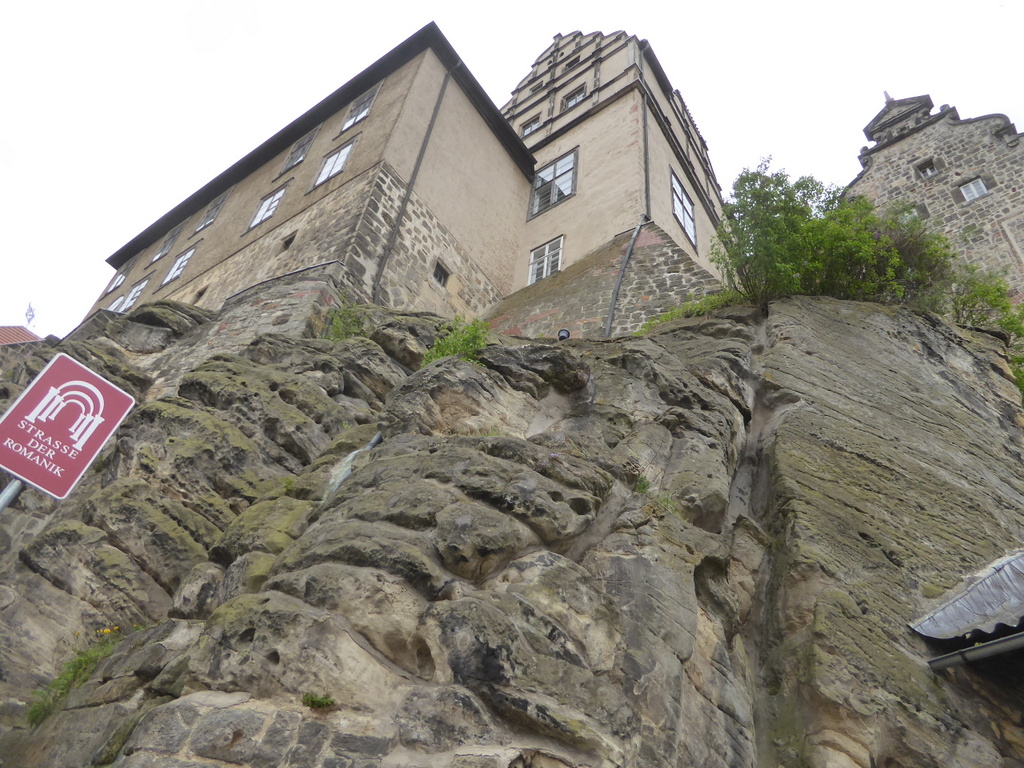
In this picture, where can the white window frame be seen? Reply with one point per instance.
(974, 189)
(212, 211)
(360, 108)
(299, 150)
(168, 243)
(574, 97)
(179, 266)
(133, 294)
(531, 126)
(554, 183)
(115, 305)
(683, 209)
(117, 280)
(268, 206)
(546, 259)
(334, 164)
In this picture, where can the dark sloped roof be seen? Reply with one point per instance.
(15, 334)
(428, 37)
(993, 595)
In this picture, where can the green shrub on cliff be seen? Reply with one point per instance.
(783, 238)
(983, 299)
(459, 338)
(345, 322)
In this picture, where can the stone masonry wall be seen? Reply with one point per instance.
(659, 276)
(353, 227)
(987, 231)
(332, 230)
(408, 283)
(296, 305)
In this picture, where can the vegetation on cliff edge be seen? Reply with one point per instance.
(781, 237)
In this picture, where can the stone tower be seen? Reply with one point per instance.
(965, 176)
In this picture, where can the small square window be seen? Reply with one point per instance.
(360, 108)
(553, 183)
(972, 190)
(298, 153)
(574, 61)
(927, 168)
(536, 88)
(168, 243)
(682, 207)
(440, 275)
(531, 125)
(546, 260)
(133, 295)
(334, 164)
(267, 207)
(179, 266)
(574, 97)
(211, 212)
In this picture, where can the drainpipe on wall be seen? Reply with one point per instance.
(393, 237)
(647, 149)
(622, 271)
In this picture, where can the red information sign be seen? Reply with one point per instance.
(55, 428)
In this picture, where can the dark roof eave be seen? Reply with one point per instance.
(429, 36)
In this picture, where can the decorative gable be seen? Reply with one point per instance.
(899, 116)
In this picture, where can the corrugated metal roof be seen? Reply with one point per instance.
(994, 595)
(15, 334)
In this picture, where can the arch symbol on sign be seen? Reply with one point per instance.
(81, 394)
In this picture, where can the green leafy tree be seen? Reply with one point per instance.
(782, 238)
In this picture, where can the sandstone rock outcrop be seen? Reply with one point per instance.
(698, 548)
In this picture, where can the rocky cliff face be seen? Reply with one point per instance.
(700, 548)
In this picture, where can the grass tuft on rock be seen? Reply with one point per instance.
(75, 672)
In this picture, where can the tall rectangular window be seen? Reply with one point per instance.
(211, 212)
(682, 207)
(334, 164)
(299, 150)
(179, 266)
(553, 183)
(545, 260)
(267, 207)
(972, 190)
(360, 108)
(168, 243)
(133, 295)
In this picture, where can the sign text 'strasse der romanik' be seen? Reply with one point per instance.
(57, 426)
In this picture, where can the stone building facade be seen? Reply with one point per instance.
(377, 176)
(434, 200)
(965, 176)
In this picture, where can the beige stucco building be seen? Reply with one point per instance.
(966, 177)
(613, 142)
(427, 197)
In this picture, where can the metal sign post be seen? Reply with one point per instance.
(10, 493)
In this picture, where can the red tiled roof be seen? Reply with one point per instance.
(15, 334)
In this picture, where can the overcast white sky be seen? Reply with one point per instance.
(117, 110)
